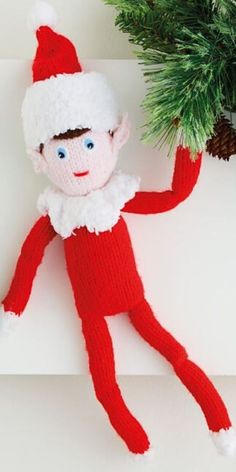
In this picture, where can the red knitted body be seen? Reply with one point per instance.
(110, 293)
(103, 272)
(105, 282)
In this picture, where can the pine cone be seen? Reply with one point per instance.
(223, 142)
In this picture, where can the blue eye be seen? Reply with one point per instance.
(62, 153)
(88, 144)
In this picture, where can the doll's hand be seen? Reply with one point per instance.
(8, 321)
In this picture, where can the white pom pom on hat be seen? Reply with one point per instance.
(42, 14)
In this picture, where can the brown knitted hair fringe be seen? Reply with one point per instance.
(69, 134)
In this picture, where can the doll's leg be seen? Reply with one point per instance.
(190, 374)
(102, 368)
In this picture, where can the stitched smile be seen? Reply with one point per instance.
(81, 174)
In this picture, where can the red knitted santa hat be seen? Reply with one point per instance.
(62, 95)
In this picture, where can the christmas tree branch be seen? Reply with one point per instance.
(189, 58)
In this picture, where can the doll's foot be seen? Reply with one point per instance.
(147, 457)
(8, 321)
(225, 442)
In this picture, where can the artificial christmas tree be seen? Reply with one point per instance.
(189, 52)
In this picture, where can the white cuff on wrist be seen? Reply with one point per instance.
(8, 321)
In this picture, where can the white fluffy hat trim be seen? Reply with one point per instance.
(68, 101)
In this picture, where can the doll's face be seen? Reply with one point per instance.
(84, 163)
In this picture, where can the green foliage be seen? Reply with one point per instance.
(188, 49)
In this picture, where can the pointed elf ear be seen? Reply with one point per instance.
(121, 134)
(39, 162)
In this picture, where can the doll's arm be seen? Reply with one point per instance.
(185, 176)
(30, 258)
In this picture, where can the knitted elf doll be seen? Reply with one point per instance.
(74, 131)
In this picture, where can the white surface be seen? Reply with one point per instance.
(90, 24)
(56, 424)
(187, 257)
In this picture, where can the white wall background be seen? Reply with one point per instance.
(51, 422)
(54, 424)
(89, 23)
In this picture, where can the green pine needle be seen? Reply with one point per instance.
(188, 49)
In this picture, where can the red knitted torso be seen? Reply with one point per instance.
(102, 271)
(105, 281)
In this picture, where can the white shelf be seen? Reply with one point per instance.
(187, 257)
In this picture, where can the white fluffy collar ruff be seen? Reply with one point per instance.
(98, 211)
